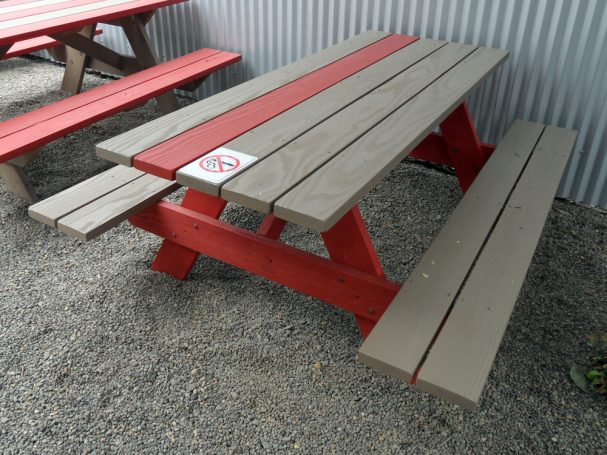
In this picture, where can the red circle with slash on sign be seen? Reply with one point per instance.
(220, 163)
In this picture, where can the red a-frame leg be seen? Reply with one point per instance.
(177, 260)
(352, 279)
(458, 146)
(463, 145)
(348, 243)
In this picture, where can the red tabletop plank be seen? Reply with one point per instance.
(73, 21)
(167, 157)
(40, 9)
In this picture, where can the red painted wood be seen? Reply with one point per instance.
(347, 287)
(434, 149)
(175, 259)
(348, 242)
(164, 159)
(463, 145)
(271, 226)
(45, 113)
(84, 109)
(41, 9)
(71, 22)
(33, 45)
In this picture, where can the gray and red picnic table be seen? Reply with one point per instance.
(39, 23)
(304, 144)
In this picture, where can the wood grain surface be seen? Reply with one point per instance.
(121, 149)
(324, 197)
(95, 218)
(166, 158)
(55, 207)
(460, 360)
(401, 338)
(260, 186)
(265, 139)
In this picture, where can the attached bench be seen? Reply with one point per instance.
(94, 206)
(443, 329)
(22, 136)
(35, 44)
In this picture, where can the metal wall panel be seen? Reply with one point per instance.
(556, 73)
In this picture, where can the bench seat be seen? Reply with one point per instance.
(26, 133)
(94, 206)
(34, 44)
(443, 329)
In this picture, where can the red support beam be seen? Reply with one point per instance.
(175, 259)
(434, 149)
(463, 145)
(271, 227)
(348, 242)
(354, 290)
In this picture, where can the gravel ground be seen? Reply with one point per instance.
(99, 354)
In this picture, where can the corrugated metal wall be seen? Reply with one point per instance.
(556, 72)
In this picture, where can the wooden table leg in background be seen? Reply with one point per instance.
(14, 177)
(75, 63)
(134, 28)
(4, 50)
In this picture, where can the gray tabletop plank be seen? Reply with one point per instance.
(320, 200)
(401, 337)
(262, 184)
(106, 212)
(121, 149)
(281, 130)
(459, 362)
(55, 207)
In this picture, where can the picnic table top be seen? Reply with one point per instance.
(308, 140)
(23, 19)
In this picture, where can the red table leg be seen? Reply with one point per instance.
(352, 279)
(271, 227)
(177, 260)
(463, 145)
(348, 242)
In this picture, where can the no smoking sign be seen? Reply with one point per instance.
(218, 165)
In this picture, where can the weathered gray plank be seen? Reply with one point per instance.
(459, 362)
(401, 337)
(265, 182)
(121, 149)
(279, 131)
(320, 200)
(106, 212)
(55, 207)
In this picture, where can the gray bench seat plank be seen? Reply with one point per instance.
(274, 134)
(324, 197)
(459, 362)
(259, 186)
(400, 339)
(55, 207)
(122, 148)
(106, 212)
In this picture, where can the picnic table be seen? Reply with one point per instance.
(44, 23)
(28, 25)
(304, 144)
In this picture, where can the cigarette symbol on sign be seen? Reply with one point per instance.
(220, 163)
